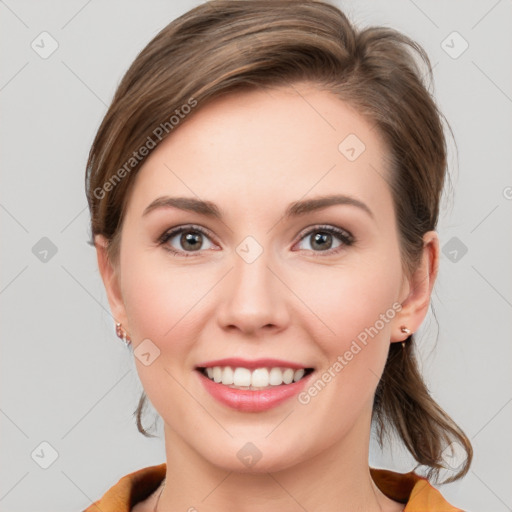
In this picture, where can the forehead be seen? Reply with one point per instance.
(249, 146)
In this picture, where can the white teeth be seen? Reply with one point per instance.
(275, 377)
(227, 375)
(298, 375)
(217, 373)
(241, 377)
(257, 378)
(288, 376)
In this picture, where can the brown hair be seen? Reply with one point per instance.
(223, 45)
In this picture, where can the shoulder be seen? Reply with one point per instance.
(130, 490)
(411, 489)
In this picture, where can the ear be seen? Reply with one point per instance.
(110, 276)
(418, 290)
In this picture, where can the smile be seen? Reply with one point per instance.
(257, 379)
(253, 386)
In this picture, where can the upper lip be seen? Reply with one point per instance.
(237, 362)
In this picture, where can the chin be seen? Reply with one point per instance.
(255, 457)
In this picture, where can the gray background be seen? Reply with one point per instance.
(68, 381)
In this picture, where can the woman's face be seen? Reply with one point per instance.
(265, 279)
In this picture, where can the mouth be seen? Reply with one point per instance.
(253, 386)
(257, 379)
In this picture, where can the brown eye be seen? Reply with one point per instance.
(326, 238)
(185, 240)
(321, 240)
(191, 240)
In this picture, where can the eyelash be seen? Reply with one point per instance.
(346, 238)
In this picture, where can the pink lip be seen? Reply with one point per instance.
(252, 401)
(236, 362)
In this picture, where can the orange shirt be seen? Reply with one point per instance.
(408, 488)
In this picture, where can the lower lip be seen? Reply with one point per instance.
(252, 401)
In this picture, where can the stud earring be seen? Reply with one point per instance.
(121, 333)
(407, 331)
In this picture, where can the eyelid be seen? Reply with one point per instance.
(326, 227)
(169, 233)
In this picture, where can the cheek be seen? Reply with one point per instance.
(164, 306)
(351, 299)
(160, 304)
(354, 307)
(357, 305)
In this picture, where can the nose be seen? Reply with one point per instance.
(254, 298)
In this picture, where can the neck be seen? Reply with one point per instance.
(336, 479)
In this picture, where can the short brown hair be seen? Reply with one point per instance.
(221, 46)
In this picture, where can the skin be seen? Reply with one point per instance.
(252, 153)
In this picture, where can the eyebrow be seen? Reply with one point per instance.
(295, 209)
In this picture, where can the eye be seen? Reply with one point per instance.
(323, 238)
(188, 238)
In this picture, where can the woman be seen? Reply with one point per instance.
(264, 192)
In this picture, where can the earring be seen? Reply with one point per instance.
(121, 333)
(405, 330)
